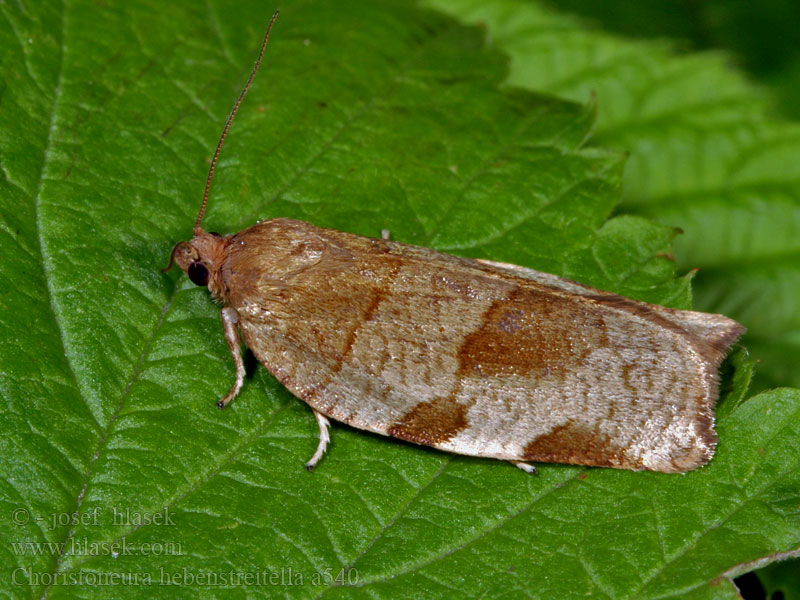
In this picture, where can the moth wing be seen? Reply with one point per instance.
(483, 358)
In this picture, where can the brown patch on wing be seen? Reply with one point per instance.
(431, 423)
(380, 292)
(531, 332)
(567, 443)
(378, 296)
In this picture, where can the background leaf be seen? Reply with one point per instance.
(119, 474)
(781, 577)
(761, 37)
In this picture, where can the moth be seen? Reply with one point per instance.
(473, 357)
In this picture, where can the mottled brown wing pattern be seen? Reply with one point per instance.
(475, 357)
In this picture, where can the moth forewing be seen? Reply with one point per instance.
(475, 358)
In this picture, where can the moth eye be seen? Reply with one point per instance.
(198, 273)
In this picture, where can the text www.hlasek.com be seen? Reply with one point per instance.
(85, 547)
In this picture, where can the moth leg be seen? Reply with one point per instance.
(229, 321)
(324, 438)
(524, 466)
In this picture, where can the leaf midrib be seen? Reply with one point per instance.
(46, 264)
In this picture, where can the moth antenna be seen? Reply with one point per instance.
(197, 228)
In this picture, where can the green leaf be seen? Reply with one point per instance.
(119, 477)
(781, 577)
(761, 37)
(703, 157)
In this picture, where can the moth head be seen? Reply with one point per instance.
(201, 259)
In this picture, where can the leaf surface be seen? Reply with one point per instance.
(119, 477)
